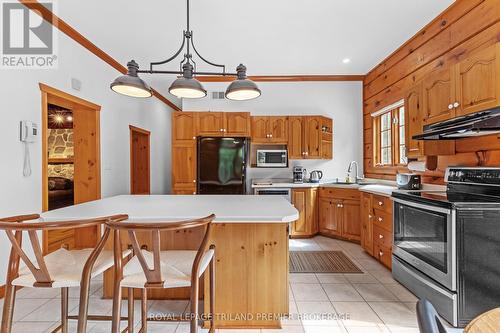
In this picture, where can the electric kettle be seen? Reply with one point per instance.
(315, 176)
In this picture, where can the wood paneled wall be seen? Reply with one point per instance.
(464, 26)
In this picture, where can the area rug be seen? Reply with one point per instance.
(321, 262)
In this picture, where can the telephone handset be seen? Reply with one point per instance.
(28, 131)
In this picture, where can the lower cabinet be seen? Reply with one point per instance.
(376, 230)
(184, 168)
(339, 213)
(305, 201)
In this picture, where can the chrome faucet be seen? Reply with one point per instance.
(349, 169)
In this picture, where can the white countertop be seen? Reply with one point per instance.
(284, 182)
(378, 189)
(165, 208)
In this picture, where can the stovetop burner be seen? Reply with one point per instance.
(450, 196)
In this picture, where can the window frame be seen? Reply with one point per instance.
(395, 110)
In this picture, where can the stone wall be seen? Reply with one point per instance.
(60, 170)
(60, 143)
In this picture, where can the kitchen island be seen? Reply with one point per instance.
(251, 238)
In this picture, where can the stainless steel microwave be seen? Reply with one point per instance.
(277, 158)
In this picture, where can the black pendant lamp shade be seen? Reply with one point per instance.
(242, 88)
(186, 86)
(131, 84)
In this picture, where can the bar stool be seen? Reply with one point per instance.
(161, 269)
(60, 269)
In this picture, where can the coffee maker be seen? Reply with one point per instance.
(299, 173)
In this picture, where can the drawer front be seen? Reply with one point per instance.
(339, 193)
(382, 203)
(383, 220)
(382, 237)
(383, 254)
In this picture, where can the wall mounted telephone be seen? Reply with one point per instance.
(28, 131)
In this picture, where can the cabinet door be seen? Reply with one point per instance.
(260, 131)
(278, 129)
(299, 202)
(312, 137)
(295, 137)
(413, 105)
(478, 81)
(325, 214)
(183, 126)
(184, 165)
(366, 223)
(211, 123)
(184, 190)
(312, 211)
(237, 124)
(326, 138)
(439, 95)
(351, 224)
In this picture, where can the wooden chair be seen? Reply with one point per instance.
(60, 269)
(161, 269)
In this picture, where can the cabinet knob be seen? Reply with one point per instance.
(225, 129)
(380, 253)
(450, 106)
(194, 180)
(380, 236)
(370, 216)
(267, 135)
(194, 138)
(456, 105)
(270, 135)
(380, 203)
(306, 153)
(380, 219)
(194, 192)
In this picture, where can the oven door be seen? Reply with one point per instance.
(424, 237)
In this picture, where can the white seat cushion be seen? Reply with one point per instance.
(66, 267)
(175, 266)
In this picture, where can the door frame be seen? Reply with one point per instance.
(132, 130)
(55, 96)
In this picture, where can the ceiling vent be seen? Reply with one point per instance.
(218, 95)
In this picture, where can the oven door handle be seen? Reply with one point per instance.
(421, 206)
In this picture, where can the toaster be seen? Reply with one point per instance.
(408, 181)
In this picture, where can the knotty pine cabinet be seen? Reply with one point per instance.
(184, 167)
(269, 129)
(305, 201)
(376, 231)
(310, 137)
(339, 213)
(223, 124)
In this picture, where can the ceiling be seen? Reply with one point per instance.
(278, 37)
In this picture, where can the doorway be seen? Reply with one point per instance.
(71, 167)
(139, 160)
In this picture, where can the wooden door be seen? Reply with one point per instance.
(413, 110)
(139, 161)
(438, 95)
(337, 216)
(366, 223)
(183, 126)
(278, 129)
(295, 138)
(351, 224)
(87, 167)
(299, 202)
(210, 123)
(260, 132)
(237, 124)
(478, 81)
(312, 137)
(312, 211)
(184, 166)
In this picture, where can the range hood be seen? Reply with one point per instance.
(475, 124)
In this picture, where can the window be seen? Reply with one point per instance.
(389, 136)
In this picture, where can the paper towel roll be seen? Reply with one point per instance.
(416, 166)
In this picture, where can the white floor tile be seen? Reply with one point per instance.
(374, 292)
(342, 293)
(303, 245)
(361, 278)
(394, 313)
(374, 329)
(50, 311)
(383, 276)
(32, 327)
(303, 278)
(331, 278)
(356, 314)
(323, 329)
(308, 292)
(317, 313)
(23, 307)
(401, 292)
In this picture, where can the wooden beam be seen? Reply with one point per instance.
(68, 30)
(284, 78)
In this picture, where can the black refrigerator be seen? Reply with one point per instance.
(222, 165)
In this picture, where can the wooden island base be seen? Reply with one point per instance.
(251, 272)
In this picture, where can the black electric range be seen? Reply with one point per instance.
(446, 244)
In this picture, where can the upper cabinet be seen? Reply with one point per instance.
(270, 129)
(438, 95)
(183, 126)
(310, 137)
(223, 124)
(478, 81)
(413, 110)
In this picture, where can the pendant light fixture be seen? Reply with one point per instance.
(185, 86)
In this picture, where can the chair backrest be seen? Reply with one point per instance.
(153, 274)
(15, 226)
(428, 318)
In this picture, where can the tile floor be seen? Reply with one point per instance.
(333, 303)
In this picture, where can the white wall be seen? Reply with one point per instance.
(341, 101)
(20, 100)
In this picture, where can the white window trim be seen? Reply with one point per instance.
(388, 108)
